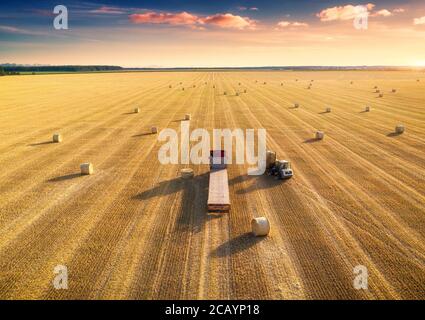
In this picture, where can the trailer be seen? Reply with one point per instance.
(218, 191)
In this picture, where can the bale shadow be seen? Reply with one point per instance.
(323, 112)
(143, 134)
(311, 140)
(40, 143)
(393, 134)
(236, 245)
(66, 177)
(126, 113)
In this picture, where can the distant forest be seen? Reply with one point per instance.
(11, 69)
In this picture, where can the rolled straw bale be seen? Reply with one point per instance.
(136, 110)
(186, 173)
(320, 135)
(187, 116)
(367, 109)
(86, 168)
(270, 158)
(57, 138)
(260, 226)
(154, 129)
(399, 129)
(328, 110)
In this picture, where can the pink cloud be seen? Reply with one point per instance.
(228, 20)
(399, 10)
(225, 20)
(254, 9)
(182, 18)
(108, 10)
(343, 13)
(382, 13)
(419, 21)
(286, 24)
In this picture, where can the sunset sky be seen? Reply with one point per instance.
(172, 33)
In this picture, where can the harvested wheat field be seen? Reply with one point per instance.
(134, 229)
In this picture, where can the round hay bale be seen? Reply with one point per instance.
(213, 87)
(320, 135)
(136, 110)
(237, 94)
(194, 86)
(225, 93)
(328, 110)
(245, 91)
(154, 129)
(381, 95)
(377, 91)
(260, 226)
(270, 158)
(265, 82)
(170, 86)
(182, 89)
(239, 83)
(187, 116)
(393, 90)
(399, 129)
(86, 168)
(281, 84)
(375, 87)
(367, 109)
(296, 105)
(186, 173)
(57, 138)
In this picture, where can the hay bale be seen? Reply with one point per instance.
(154, 130)
(245, 91)
(296, 105)
(260, 226)
(265, 82)
(320, 135)
(239, 83)
(281, 84)
(187, 116)
(381, 95)
(328, 110)
(225, 93)
(367, 109)
(57, 138)
(136, 110)
(86, 168)
(399, 129)
(270, 158)
(393, 90)
(375, 87)
(213, 87)
(182, 89)
(186, 173)
(170, 86)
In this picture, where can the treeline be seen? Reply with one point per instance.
(18, 69)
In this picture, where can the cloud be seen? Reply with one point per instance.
(343, 13)
(399, 10)
(254, 9)
(225, 20)
(9, 29)
(108, 10)
(182, 18)
(286, 24)
(382, 13)
(419, 21)
(228, 20)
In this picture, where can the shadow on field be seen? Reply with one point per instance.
(40, 143)
(66, 177)
(192, 214)
(236, 245)
(126, 113)
(256, 183)
(311, 140)
(143, 134)
(393, 134)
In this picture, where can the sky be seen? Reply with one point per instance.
(203, 33)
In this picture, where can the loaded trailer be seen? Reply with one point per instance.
(218, 191)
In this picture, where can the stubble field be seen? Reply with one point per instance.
(136, 230)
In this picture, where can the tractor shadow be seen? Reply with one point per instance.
(236, 245)
(65, 178)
